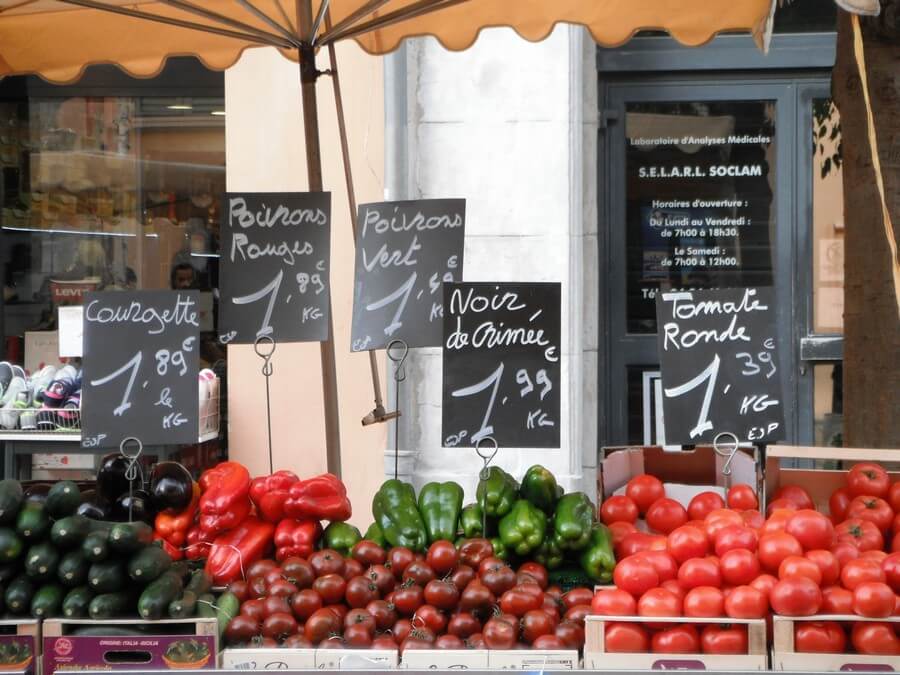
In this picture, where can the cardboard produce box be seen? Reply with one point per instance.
(785, 658)
(268, 659)
(356, 659)
(444, 659)
(533, 659)
(20, 640)
(596, 657)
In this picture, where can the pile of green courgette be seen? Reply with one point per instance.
(57, 563)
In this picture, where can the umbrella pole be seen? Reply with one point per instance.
(308, 75)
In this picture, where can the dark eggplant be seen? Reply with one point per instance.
(111, 481)
(142, 507)
(171, 486)
(37, 492)
(96, 508)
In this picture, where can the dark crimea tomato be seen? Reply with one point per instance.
(704, 503)
(476, 596)
(836, 600)
(449, 642)
(875, 637)
(704, 601)
(828, 565)
(382, 577)
(735, 536)
(676, 640)
(699, 572)
(873, 599)
(282, 587)
(861, 571)
(463, 625)
(796, 596)
(536, 623)
(496, 575)
(441, 594)
(665, 514)
(298, 571)
(368, 553)
(739, 566)
(279, 625)
(401, 630)
(613, 602)
(360, 591)
(305, 603)
(536, 571)
(275, 604)
(358, 637)
(473, 552)
(321, 625)
(241, 628)
(746, 602)
(659, 602)
(796, 566)
(419, 572)
(408, 598)
(687, 542)
(636, 576)
(461, 576)
(838, 503)
(299, 641)
(430, 616)
(327, 561)
(627, 638)
(618, 508)
(571, 634)
(795, 494)
(819, 637)
(577, 596)
(863, 534)
(499, 634)
(644, 490)
(724, 639)
(517, 601)
(331, 587)
(399, 558)
(383, 613)
(442, 557)
(773, 548)
(812, 529)
(868, 478)
(742, 497)
(872, 509)
(549, 642)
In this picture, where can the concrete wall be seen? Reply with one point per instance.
(512, 127)
(266, 152)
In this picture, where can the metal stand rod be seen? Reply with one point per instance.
(399, 376)
(267, 371)
(484, 474)
(132, 470)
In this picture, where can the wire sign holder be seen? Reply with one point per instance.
(725, 444)
(397, 351)
(265, 353)
(484, 474)
(132, 470)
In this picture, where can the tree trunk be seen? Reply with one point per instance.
(871, 394)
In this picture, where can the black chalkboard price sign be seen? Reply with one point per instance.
(140, 367)
(405, 251)
(274, 262)
(501, 364)
(719, 365)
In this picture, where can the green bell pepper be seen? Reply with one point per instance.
(548, 554)
(497, 493)
(522, 530)
(540, 488)
(500, 550)
(471, 520)
(439, 506)
(572, 521)
(598, 560)
(375, 534)
(340, 537)
(395, 510)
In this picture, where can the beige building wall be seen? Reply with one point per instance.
(265, 152)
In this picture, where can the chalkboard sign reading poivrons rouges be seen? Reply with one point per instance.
(140, 367)
(274, 263)
(501, 364)
(405, 251)
(719, 365)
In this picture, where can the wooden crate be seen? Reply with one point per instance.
(24, 632)
(597, 658)
(785, 658)
(820, 483)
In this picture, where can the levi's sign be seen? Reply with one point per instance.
(274, 267)
(719, 365)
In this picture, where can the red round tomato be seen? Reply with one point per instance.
(442, 557)
(780, 505)
(895, 543)
(746, 602)
(828, 565)
(796, 494)
(796, 566)
(868, 478)
(735, 536)
(891, 567)
(659, 602)
(636, 542)
(618, 508)
(663, 562)
(704, 601)
(719, 519)
(863, 534)
(875, 637)
(836, 600)
(619, 529)
(739, 566)
(665, 514)
(773, 548)
(724, 639)
(644, 490)
(877, 556)
(811, 529)
(844, 551)
(676, 640)
(636, 576)
(742, 497)
(699, 572)
(873, 599)
(838, 503)
(613, 602)
(687, 542)
(627, 638)
(776, 521)
(893, 497)
(873, 509)
(861, 571)
(796, 596)
(673, 586)
(753, 518)
(819, 637)
(705, 502)
(764, 583)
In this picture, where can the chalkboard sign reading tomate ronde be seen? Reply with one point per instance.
(274, 263)
(719, 364)
(405, 251)
(140, 367)
(501, 364)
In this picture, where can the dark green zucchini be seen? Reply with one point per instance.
(107, 576)
(154, 601)
(11, 497)
(10, 545)
(95, 546)
(129, 537)
(75, 604)
(70, 532)
(73, 569)
(41, 561)
(111, 605)
(33, 522)
(47, 602)
(63, 499)
(18, 595)
(147, 564)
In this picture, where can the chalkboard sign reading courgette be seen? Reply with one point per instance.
(719, 363)
(140, 367)
(501, 364)
(405, 251)
(274, 267)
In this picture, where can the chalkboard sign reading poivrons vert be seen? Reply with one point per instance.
(405, 251)
(719, 365)
(140, 367)
(501, 364)
(274, 263)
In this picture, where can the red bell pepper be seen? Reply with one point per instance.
(321, 498)
(269, 493)
(233, 552)
(174, 552)
(296, 538)
(224, 485)
(174, 527)
(197, 546)
(214, 524)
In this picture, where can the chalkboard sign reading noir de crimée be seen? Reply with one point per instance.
(274, 263)
(405, 251)
(719, 364)
(140, 365)
(501, 364)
